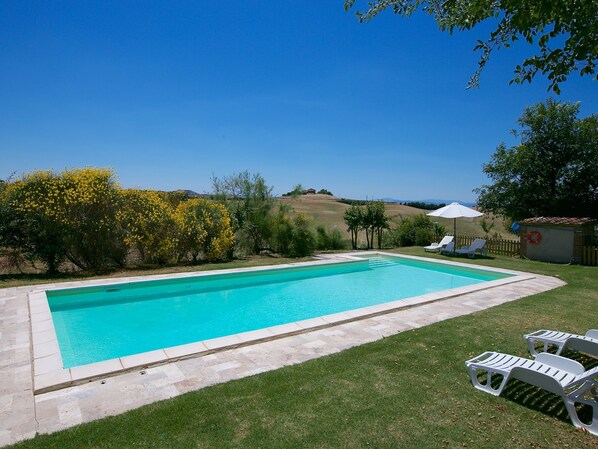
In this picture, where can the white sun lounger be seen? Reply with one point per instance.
(438, 246)
(477, 246)
(448, 249)
(587, 343)
(559, 375)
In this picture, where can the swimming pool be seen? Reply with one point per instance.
(93, 324)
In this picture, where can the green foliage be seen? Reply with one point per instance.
(352, 202)
(303, 243)
(354, 219)
(372, 219)
(249, 202)
(564, 32)
(417, 230)
(422, 205)
(282, 235)
(325, 192)
(326, 240)
(487, 226)
(552, 172)
(298, 190)
(375, 221)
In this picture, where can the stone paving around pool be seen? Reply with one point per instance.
(23, 414)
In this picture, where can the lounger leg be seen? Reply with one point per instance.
(531, 343)
(589, 388)
(473, 374)
(593, 426)
(560, 348)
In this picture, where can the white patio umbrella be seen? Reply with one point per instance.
(454, 211)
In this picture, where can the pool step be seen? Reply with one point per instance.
(379, 262)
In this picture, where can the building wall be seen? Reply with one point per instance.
(557, 245)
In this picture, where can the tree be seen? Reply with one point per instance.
(374, 222)
(379, 220)
(282, 236)
(249, 201)
(487, 226)
(415, 230)
(303, 243)
(563, 30)
(354, 219)
(325, 192)
(552, 172)
(297, 191)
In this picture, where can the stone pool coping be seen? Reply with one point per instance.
(49, 375)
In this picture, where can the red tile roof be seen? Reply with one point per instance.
(567, 221)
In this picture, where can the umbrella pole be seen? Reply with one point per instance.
(455, 233)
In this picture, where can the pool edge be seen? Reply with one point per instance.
(48, 374)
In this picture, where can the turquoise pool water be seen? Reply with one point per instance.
(99, 323)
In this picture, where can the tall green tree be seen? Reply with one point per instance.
(552, 172)
(563, 32)
(379, 221)
(249, 201)
(354, 219)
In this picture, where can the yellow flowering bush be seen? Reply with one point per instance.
(148, 224)
(203, 228)
(83, 216)
(70, 215)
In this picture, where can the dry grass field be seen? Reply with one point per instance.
(326, 210)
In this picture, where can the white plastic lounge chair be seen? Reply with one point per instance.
(559, 375)
(438, 246)
(476, 247)
(448, 249)
(587, 343)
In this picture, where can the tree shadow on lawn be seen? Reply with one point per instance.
(543, 401)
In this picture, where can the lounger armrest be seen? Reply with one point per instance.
(480, 358)
(562, 363)
(535, 334)
(592, 333)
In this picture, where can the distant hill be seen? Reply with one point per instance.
(432, 201)
(189, 193)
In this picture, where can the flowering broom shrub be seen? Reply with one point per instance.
(203, 228)
(69, 215)
(148, 225)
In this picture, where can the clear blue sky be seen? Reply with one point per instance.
(169, 93)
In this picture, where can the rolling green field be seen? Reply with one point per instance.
(404, 391)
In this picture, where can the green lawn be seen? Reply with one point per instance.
(408, 390)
